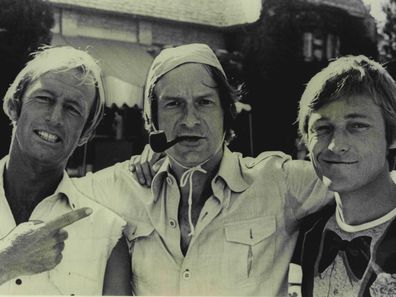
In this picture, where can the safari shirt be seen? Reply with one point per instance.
(245, 235)
(87, 248)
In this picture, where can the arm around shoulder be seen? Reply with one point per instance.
(306, 192)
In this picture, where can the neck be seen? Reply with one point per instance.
(370, 202)
(202, 181)
(210, 165)
(27, 182)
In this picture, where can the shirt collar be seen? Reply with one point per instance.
(229, 171)
(3, 164)
(159, 178)
(65, 186)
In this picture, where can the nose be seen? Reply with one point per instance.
(55, 114)
(191, 117)
(339, 142)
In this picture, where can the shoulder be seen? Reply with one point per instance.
(112, 182)
(77, 199)
(100, 213)
(265, 159)
(114, 172)
(116, 189)
(264, 170)
(102, 219)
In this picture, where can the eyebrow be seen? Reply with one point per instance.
(79, 103)
(41, 90)
(348, 116)
(357, 115)
(178, 96)
(67, 100)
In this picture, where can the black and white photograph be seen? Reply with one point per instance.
(198, 148)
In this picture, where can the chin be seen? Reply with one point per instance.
(48, 159)
(334, 185)
(344, 187)
(191, 163)
(191, 158)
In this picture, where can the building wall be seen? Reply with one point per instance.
(89, 24)
(72, 22)
(184, 33)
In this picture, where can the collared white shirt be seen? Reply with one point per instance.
(87, 249)
(244, 238)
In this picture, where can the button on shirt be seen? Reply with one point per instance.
(245, 234)
(89, 244)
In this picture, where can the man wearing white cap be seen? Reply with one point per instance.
(213, 222)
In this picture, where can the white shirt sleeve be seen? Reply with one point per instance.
(305, 192)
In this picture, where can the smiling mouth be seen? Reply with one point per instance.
(48, 137)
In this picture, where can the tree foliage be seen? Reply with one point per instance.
(388, 47)
(24, 26)
(387, 44)
(275, 67)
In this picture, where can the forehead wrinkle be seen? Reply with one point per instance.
(45, 87)
(177, 93)
(355, 115)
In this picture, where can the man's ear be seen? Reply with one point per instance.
(83, 140)
(392, 145)
(85, 137)
(14, 110)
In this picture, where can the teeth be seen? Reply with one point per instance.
(47, 136)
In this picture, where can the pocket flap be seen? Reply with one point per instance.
(137, 229)
(250, 231)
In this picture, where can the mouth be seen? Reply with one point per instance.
(192, 139)
(46, 136)
(340, 162)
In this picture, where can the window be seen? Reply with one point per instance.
(317, 47)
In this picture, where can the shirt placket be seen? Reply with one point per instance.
(189, 274)
(172, 231)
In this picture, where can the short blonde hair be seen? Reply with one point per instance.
(349, 76)
(59, 59)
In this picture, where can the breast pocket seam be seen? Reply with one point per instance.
(245, 236)
(250, 232)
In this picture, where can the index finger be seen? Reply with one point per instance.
(68, 218)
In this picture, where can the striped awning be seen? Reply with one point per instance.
(125, 66)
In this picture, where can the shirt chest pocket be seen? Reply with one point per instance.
(249, 250)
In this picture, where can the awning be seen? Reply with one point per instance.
(125, 66)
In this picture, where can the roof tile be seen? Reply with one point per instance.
(221, 13)
(353, 7)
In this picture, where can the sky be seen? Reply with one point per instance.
(376, 10)
(252, 9)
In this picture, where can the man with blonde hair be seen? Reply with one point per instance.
(55, 103)
(347, 118)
